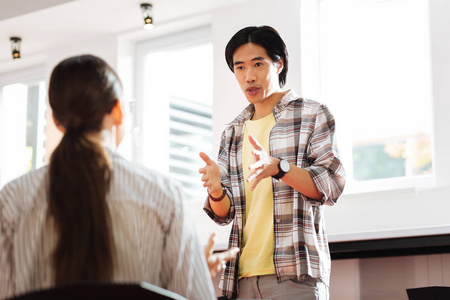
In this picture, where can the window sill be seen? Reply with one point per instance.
(390, 184)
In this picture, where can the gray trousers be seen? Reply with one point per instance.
(267, 287)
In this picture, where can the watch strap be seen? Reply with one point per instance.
(280, 173)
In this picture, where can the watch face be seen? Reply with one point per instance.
(284, 166)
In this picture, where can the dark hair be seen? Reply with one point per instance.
(82, 90)
(266, 37)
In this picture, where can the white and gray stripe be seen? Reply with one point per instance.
(154, 238)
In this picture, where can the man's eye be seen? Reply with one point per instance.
(258, 64)
(239, 68)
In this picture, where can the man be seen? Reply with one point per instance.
(278, 165)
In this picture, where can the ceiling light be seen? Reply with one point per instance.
(15, 46)
(147, 14)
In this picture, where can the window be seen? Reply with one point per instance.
(375, 76)
(22, 123)
(175, 107)
(190, 133)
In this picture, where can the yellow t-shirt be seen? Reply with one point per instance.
(257, 245)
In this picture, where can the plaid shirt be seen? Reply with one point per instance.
(303, 135)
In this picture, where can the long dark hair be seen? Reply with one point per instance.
(265, 36)
(82, 90)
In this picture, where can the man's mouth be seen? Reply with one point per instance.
(252, 90)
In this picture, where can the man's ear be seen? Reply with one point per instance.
(117, 113)
(280, 66)
(58, 125)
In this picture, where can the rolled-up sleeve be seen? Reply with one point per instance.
(222, 162)
(325, 167)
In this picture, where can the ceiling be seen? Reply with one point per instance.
(10, 9)
(45, 24)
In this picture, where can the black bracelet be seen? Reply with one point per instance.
(220, 198)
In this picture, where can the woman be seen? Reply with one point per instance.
(91, 215)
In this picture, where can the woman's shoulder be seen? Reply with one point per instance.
(135, 182)
(23, 193)
(33, 177)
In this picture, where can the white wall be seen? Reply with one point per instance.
(440, 59)
(389, 212)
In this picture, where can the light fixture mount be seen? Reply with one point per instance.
(147, 14)
(15, 46)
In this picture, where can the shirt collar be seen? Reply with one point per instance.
(246, 114)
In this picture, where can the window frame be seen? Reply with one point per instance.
(33, 75)
(179, 39)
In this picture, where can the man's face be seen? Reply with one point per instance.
(256, 73)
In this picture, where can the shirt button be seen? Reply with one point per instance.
(276, 194)
(278, 246)
(278, 220)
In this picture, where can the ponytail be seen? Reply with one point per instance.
(79, 181)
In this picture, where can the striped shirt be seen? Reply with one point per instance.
(305, 136)
(154, 239)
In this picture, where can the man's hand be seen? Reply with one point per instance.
(211, 176)
(264, 165)
(216, 262)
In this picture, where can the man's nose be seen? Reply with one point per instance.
(250, 76)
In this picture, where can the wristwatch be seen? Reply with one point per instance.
(283, 168)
